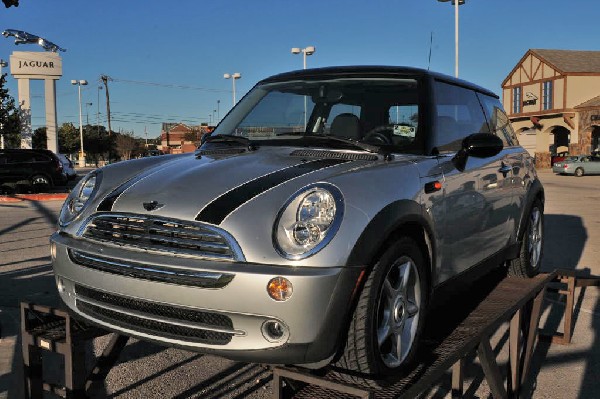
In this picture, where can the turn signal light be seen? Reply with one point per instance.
(280, 289)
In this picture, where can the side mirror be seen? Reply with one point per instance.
(482, 145)
(478, 145)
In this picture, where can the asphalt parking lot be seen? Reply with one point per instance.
(572, 229)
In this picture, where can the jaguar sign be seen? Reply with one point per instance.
(42, 65)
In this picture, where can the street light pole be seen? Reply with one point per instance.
(2, 65)
(309, 50)
(233, 77)
(80, 83)
(455, 3)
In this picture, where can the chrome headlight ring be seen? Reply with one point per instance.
(80, 197)
(308, 221)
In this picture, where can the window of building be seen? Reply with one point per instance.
(547, 90)
(517, 100)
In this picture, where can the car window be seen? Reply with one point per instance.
(377, 111)
(3, 159)
(498, 120)
(458, 114)
(21, 157)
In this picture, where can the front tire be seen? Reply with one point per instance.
(530, 254)
(388, 319)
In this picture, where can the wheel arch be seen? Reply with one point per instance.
(400, 218)
(536, 192)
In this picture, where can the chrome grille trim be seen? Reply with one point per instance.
(186, 277)
(158, 234)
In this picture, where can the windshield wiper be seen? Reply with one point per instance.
(308, 140)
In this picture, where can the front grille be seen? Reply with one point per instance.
(155, 319)
(162, 235)
(141, 271)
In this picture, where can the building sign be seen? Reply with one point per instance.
(530, 102)
(30, 63)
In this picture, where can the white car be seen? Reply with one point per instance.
(68, 167)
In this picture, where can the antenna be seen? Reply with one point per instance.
(430, 45)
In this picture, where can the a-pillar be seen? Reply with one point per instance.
(51, 126)
(25, 105)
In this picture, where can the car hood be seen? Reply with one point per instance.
(208, 188)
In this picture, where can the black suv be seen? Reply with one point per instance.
(38, 169)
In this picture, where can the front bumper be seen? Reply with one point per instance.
(216, 307)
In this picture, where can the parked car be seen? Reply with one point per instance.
(40, 169)
(68, 166)
(559, 157)
(314, 225)
(578, 165)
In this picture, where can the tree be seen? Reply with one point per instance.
(126, 145)
(68, 138)
(40, 138)
(10, 117)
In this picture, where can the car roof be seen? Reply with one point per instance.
(372, 71)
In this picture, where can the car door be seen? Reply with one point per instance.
(476, 194)
(516, 161)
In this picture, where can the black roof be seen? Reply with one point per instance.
(372, 71)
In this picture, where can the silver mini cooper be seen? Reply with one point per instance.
(314, 225)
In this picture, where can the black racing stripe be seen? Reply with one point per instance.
(108, 201)
(216, 211)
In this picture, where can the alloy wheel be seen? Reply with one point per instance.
(398, 312)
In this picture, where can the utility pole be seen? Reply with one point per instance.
(105, 80)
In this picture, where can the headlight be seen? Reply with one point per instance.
(308, 221)
(79, 197)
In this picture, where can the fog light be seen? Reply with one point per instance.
(280, 289)
(274, 330)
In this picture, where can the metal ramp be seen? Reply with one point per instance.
(514, 300)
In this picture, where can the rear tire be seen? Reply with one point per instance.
(39, 183)
(530, 254)
(389, 316)
(579, 172)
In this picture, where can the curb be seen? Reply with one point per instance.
(33, 197)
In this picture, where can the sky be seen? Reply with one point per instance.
(167, 58)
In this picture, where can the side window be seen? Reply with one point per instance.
(3, 159)
(458, 114)
(499, 122)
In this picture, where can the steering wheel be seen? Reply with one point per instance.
(379, 135)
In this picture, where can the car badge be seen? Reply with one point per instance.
(152, 206)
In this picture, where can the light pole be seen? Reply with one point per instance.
(306, 51)
(2, 65)
(80, 83)
(233, 77)
(309, 50)
(87, 113)
(455, 3)
(218, 106)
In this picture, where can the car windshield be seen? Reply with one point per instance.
(359, 113)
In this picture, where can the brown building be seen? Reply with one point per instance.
(552, 98)
(177, 138)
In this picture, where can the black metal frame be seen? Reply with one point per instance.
(48, 329)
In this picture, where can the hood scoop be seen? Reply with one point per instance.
(349, 156)
(219, 152)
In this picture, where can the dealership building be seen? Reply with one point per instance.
(552, 98)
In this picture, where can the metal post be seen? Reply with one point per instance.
(456, 4)
(81, 157)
